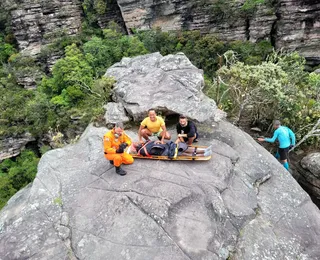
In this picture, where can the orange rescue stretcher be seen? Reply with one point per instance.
(195, 157)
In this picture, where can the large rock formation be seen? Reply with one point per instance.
(292, 24)
(11, 147)
(226, 19)
(297, 28)
(115, 113)
(310, 175)
(38, 22)
(170, 84)
(312, 163)
(113, 14)
(242, 204)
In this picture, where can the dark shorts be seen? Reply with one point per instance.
(283, 152)
(187, 138)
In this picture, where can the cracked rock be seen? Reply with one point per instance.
(115, 113)
(63, 232)
(64, 221)
(144, 81)
(161, 209)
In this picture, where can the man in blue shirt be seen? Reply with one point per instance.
(286, 139)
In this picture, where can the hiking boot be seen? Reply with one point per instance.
(111, 162)
(120, 171)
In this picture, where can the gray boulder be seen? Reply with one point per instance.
(312, 163)
(12, 147)
(115, 113)
(242, 204)
(144, 81)
(309, 175)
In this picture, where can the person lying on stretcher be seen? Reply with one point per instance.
(169, 149)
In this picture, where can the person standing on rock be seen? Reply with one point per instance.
(114, 143)
(153, 125)
(186, 130)
(286, 140)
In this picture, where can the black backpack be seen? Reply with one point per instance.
(172, 151)
(151, 148)
(169, 149)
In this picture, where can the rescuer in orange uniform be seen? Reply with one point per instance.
(114, 143)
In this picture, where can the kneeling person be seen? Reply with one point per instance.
(153, 125)
(186, 130)
(114, 143)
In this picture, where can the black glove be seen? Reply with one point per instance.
(124, 145)
(121, 148)
(291, 146)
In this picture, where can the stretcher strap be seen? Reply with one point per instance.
(175, 152)
(145, 149)
(195, 152)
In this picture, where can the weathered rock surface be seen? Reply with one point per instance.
(11, 147)
(312, 163)
(115, 113)
(227, 20)
(38, 22)
(113, 14)
(30, 79)
(309, 175)
(242, 204)
(289, 24)
(170, 84)
(298, 27)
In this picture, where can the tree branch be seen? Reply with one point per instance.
(312, 133)
(85, 86)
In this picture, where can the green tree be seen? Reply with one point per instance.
(132, 46)
(158, 41)
(12, 105)
(110, 49)
(251, 5)
(93, 9)
(72, 77)
(6, 50)
(204, 51)
(16, 174)
(277, 88)
(74, 91)
(41, 114)
(259, 86)
(102, 55)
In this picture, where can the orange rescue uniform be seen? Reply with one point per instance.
(111, 144)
